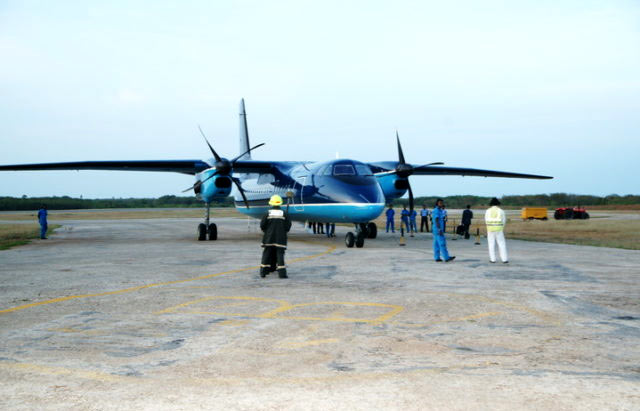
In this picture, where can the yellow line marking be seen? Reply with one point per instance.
(48, 370)
(478, 316)
(395, 309)
(142, 287)
(199, 300)
(65, 330)
(310, 343)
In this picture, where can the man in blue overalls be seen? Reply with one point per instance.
(42, 219)
(390, 214)
(439, 240)
(404, 219)
(412, 221)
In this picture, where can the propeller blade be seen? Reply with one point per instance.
(215, 155)
(244, 197)
(248, 151)
(400, 154)
(410, 196)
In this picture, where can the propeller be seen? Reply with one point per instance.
(404, 170)
(223, 167)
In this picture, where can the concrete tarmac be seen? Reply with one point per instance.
(136, 314)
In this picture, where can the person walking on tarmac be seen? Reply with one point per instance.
(467, 216)
(424, 218)
(390, 215)
(42, 219)
(275, 225)
(439, 240)
(495, 219)
(404, 219)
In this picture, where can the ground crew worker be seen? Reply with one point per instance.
(495, 219)
(424, 218)
(42, 219)
(439, 240)
(412, 221)
(467, 216)
(275, 225)
(404, 218)
(390, 222)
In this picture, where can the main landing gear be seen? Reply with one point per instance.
(368, 230)
(206, 229)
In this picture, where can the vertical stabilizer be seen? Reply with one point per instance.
(244, 133)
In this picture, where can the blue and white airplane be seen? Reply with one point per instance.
(335, 191)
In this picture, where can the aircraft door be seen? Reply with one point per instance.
(298, 203)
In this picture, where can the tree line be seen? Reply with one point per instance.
(171, 201)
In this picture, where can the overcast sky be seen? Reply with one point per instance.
(544, 87)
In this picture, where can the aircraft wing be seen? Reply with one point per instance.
(460, 171)
(176, 166)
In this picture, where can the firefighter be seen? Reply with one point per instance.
(275, 225)
(439, 240)
(495, 219)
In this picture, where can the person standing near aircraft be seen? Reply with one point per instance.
(42, 219)
(390, 218)
(445, 218)
(412, 221)
(404, 219)
(467, 216)
(439, 240)
(424, 218)
(495, 219)
(275, 225)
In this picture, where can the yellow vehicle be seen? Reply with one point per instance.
(531, 213)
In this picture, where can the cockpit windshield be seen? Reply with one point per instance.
(344, 170)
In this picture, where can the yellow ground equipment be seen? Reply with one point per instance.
(534, 213)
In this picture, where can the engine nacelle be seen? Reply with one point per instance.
(217, 187)
(393, 186)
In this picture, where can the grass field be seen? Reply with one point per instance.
(601, 232)
(120, 214)
(12, 235)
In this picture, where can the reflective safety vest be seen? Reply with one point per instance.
(494, 218)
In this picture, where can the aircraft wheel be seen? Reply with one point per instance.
(350, 239)
(202, 232)
(372, 230)
(212, 232)
(360, 240)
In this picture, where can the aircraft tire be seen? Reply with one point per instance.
(349, 239)
(360, 240)
(212, 232)
(372, 230)
(202, 232)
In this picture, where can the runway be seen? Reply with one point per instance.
(136, 314)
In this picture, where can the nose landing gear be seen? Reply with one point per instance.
(206, 229)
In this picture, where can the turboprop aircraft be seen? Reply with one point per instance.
(335, 191)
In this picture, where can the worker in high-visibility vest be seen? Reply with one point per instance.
(495, 220)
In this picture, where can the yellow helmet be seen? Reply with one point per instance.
(275, 200)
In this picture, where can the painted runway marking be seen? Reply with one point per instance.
(142, 287)
(285, 306)
(309, 343)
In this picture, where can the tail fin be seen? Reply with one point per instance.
(244, 133)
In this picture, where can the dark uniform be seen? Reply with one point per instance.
(275, 225)
(467, 215)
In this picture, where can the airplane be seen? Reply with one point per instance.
(334, 191)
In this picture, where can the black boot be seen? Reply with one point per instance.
(282, 273)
